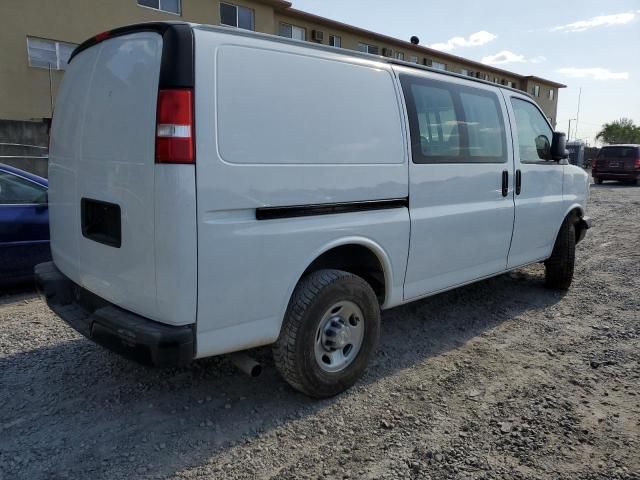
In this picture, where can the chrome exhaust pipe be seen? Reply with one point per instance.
(246, 364)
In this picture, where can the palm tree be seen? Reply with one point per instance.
(619, 131)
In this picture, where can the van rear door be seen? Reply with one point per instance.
(122, 225)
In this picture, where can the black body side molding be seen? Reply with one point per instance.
(272, 213)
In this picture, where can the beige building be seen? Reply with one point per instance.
(38, 36)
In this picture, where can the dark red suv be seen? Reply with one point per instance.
(617, 162)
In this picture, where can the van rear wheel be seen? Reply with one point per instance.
(330, 332)
(559, 267)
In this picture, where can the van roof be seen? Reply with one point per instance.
(346, 52)
(162, 27)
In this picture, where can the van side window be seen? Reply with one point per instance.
(438, 125)
(534, 133)
(453, 123)
(484, 125)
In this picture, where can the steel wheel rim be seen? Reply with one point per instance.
(339, 336)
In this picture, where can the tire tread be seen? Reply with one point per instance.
(559, 268)
(284, 350)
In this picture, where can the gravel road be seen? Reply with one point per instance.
(502, 379)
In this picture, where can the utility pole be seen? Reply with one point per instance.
(569, 132)
(578, 112)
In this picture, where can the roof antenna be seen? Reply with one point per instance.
(415, 40)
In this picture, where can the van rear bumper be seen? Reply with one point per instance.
(632, 175)
(132, 336)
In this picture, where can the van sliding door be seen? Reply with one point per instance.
(461, 179)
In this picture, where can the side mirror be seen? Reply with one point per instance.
(559, 146)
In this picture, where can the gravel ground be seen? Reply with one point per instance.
(502, 379)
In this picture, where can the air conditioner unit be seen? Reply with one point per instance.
(317, 35)
(387, 52)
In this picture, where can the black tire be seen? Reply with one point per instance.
(559, 267)
(597, 180)
(294, 350)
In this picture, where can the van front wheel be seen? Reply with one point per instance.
(559, 267)
(329, 333)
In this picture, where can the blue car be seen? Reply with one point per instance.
(24, 224)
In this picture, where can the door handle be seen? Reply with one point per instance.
(518, 182)
(505, 183)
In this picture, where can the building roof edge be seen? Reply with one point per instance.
(293, 12)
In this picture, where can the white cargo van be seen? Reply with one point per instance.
(214, 190)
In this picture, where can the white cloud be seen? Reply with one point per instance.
(473, 40)
(596, 73)
(506, 56)
(599, 21)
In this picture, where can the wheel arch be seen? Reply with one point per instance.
(577, 211)
(334, 255)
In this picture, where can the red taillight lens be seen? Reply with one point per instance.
(174, 127)
(102, 36)
(637, 164)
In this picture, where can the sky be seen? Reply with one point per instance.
(588, 44)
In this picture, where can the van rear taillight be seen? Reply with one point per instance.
(175, 127)
(101, 37)
(637, 164)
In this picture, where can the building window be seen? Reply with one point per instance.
(44, 53)
(372, 49)
(551, 94)
(413, 59)
(536, 90)
(169, 6)
(400, 55)
(471, 74)
(335, 41)
(438, 65)
(510, 84)
(291, 31)
(235, 16)
(464, 71)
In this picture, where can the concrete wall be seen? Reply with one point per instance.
(35, 165)
(29, 133)
(19, 142)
